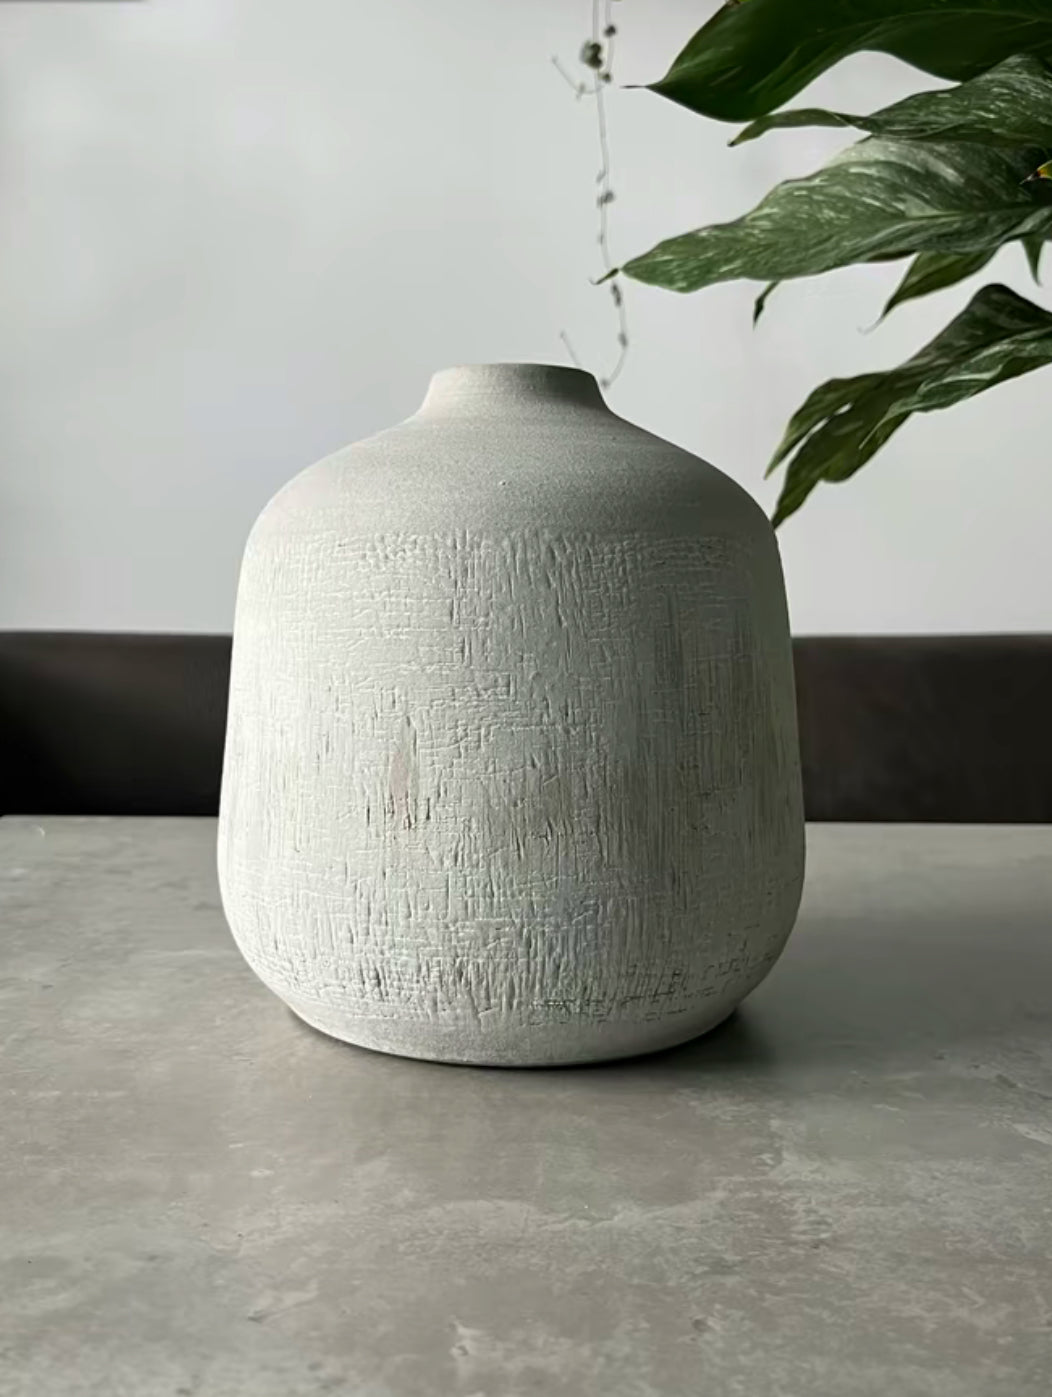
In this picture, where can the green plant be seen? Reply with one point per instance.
(945, 177)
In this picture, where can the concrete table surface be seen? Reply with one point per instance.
(846, 1191)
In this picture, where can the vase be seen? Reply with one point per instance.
(511, 772)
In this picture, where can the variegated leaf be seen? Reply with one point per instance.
(842, 425)
(1010, 105)
(934, 271)
(751, 58)
(877, 200)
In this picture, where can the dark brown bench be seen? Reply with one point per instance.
(922, 728)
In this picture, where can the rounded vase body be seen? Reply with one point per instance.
(511, 771)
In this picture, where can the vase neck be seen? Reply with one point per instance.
(473, 388)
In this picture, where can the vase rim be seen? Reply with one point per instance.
(526, 383)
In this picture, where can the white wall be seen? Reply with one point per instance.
(236, 234)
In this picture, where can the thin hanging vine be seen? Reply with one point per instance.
(597, 55)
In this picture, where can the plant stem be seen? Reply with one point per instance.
(598, 56)
(601, 11)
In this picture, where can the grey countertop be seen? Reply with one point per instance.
(846, 1191)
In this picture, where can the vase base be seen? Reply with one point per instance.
(518, 1045)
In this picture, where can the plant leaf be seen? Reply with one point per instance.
(751, 58)
(877, 200)
(1033, 246)
(760, 304)
(825, 402)
(799, 116)
(1010, 105)
(842, 425)
(1020, 340)
(934, 271)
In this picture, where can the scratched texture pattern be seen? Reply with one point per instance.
(518, 799)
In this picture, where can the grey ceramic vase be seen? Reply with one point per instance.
(511, 770)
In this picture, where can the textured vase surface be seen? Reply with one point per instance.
(511, 770)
